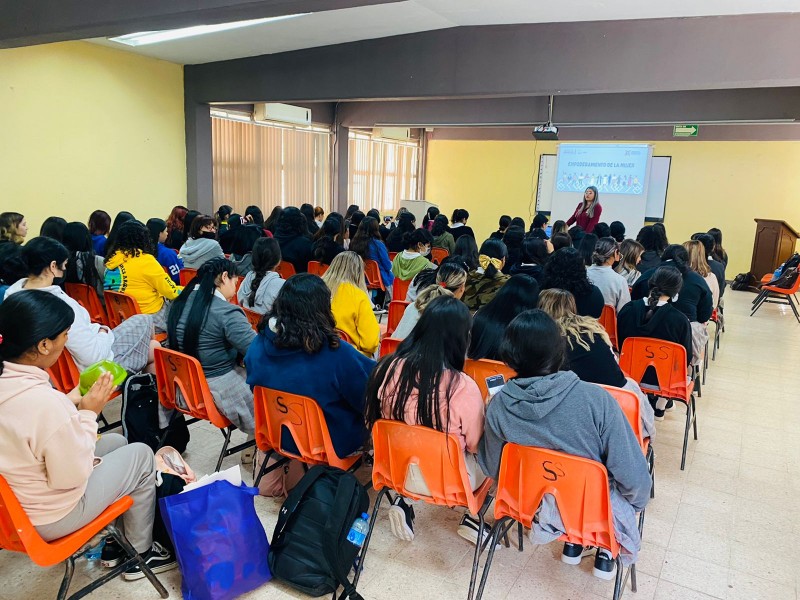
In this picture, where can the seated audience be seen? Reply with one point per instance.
(520, 293)
(350, 302)
(699, 264)
(602, 230)
(651, 257)
(294, 239)
(129, 345)
(261, 285)
(565, 270)
(204, 324)
(298, 351)
(719, 253)
(99, 226)
(121, 218)
(559, 227)
(405, 224)
(484, 282)
(467, 250)
(513, 241)
(175, 230)
(325, 247)
(518, 222)
(430, 216)
(132, 269)
(271, 224)
(505, 221)
(576, 235)
(535, 252)
(539, 227)
(53, 227)
(548, 408)
(227, 237)
(254, 215)
(413, 259)
(631, 252)
(586, 248)
(13, 229)
(717, 268)
(422, 383)
(661, 236)
(561, 240)
(617, 231)
(62, 472)
(319, 215)
(450, 280)
(588, 351)
(223, 214)
(83, 266)
(202, 244)
(244, 238)
(458, 224)
(611, 284)
(442, 238)
(368, 244)
(308, 212)
(166, 257)
(354, 222)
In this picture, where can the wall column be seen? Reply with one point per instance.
(199, 163)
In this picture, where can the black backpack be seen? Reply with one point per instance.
(743, 281)
(140, 416)
(309, 548)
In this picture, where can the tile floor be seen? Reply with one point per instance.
(726, 527)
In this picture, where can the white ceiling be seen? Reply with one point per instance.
(412, 16)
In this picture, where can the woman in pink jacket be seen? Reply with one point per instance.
(63, 474)
(588, 212)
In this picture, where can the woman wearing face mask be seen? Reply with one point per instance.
(587, 215)
(413, 259)
(129, 345)
(202, 244)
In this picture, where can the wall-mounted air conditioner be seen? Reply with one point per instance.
(282, 113)
(401, 134)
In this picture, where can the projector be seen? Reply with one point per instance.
(545, 132)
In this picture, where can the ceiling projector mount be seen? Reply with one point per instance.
(548, 131)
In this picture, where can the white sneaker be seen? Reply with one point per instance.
(401, 519)
(468, 529)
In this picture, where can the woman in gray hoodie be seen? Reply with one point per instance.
(548, 408)
(202, 244)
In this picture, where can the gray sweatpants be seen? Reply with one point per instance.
(126, 470)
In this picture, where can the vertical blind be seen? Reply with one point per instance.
(381, 172)
(269, 165)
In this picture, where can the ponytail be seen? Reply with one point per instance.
(266, 256)
(491, 256)
(666, 281)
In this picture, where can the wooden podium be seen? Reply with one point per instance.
(775, 242)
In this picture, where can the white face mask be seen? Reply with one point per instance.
(674, 298)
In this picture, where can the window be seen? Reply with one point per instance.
(381, 172)
(269, 164)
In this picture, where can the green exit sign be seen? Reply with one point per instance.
(685, 131)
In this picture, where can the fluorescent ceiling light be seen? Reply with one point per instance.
(144, 38)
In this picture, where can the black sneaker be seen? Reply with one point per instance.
(573, 553)
(670, 405)
(604, 565)
(401, 519)
(659, 413)
(112, 553)
(157, 558)
(468, 529)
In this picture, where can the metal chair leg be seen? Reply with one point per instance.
(496, 532)
(363, 554)
(794, 308)
(131, 551)
(686, 434)
(68, 573)
(694, 415)
(227, 433)
(480, 546)
(618, 580)
(265, 469)
(520, 533)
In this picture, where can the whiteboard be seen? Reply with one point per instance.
(656, 190)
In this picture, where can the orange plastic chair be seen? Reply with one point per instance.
(235, 298)
(344, 336)
(438, 255)
(285, 269)
(86, 296)
(175, 372)
(400, 288)
(304, 420)
(719, 329)
(775, 295)
(479, 370)
(669, 361)
(122, 306)
(389, 345)
(373, 274)
(392, 255)
(440, 460)
(397, 309)
(581, 491)
(17, 534)
(186, 275)
(317, 268)
(608, 320)
(253, 316)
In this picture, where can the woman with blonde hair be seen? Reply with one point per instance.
(350, 302)
(588, 350)
(451, 279)
(631, 252)
(699, 264)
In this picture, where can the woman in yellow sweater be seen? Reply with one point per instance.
(132, 269)
(351, 306)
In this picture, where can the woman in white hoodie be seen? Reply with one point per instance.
(60, 470)
(130, 344)
(202, 244)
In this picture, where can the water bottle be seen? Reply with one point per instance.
(777, 272)
(358, 532)
(94, 553)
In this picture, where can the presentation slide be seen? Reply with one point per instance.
(611, 168)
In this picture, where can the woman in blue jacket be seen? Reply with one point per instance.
(166, 257)
(369, 245)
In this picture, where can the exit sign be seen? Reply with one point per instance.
(685, 131)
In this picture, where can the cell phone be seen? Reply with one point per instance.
(495, 383)
(387, 219)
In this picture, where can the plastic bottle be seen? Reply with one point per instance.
(95, 552)
(358, 532)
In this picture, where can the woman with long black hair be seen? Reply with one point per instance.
(368, 244)
(122, 217)
(422, 383)
(166, 257)
(442, 238)
(83, 266)
(485, 281)
(204, 324)
(405, 224)
(587, 215)
(566, 270)
(325, 247)
(294, 239)
(534, 255)
(458, 224)
(261, 285)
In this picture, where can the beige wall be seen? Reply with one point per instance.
(87, 127)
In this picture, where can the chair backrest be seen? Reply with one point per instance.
(253, 316)
(438, 457)
(629, 403)
(177, 371)
(579, 486)
(186, 275)
(235, 298)
(302, 418)
(86, 296)
(373, 273)
(285, 269)
(608, 320)
(317, 268)
(344, 336)
(120, 307)
(396, 310)
(438, 255)
(789, 291)
(392, 255)
(389, 345)
(667, 358)
(400, 288)
(64, 373)
(479, 370)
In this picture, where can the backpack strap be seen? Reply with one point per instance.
(333, 533)
(295, 496)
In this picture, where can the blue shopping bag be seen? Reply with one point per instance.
(219, 541)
